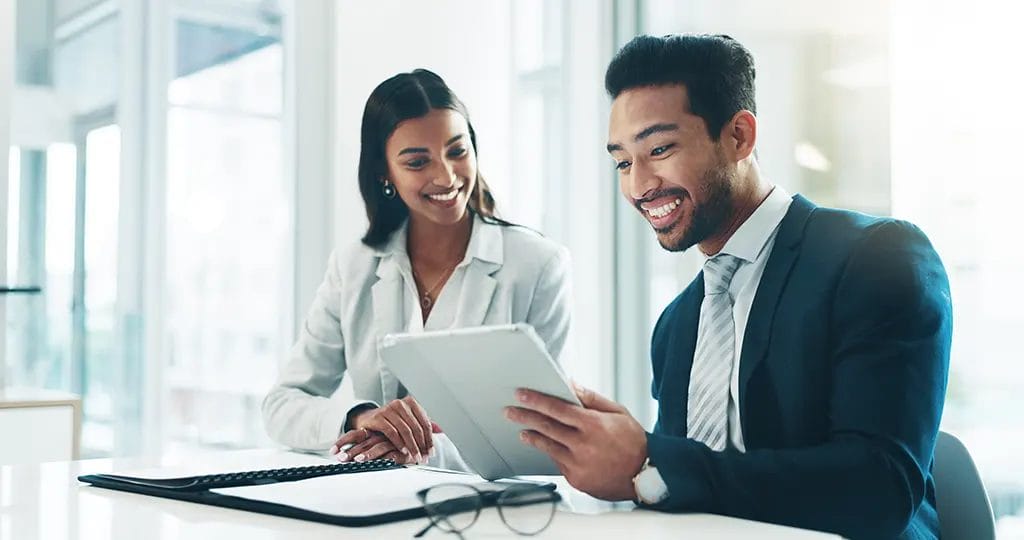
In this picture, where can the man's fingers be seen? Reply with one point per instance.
(563, 411)
(424, 422)
(557, 451)
(545, 425)
(594, 401)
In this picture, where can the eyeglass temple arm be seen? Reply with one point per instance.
(431, 525)
(424, 530)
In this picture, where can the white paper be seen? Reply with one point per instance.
(357, 494)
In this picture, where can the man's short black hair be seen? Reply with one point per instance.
(717, 71)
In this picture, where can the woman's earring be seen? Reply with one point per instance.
(388, 189)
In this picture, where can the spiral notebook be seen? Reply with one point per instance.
(346, 494)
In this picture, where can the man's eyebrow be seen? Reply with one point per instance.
(656, 128)
(644, 133)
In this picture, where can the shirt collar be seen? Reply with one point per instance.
(750, 239)
(485, 243)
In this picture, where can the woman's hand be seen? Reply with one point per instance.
(361, 445)
(403, 422)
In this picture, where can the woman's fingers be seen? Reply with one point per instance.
(362, 447)
(376, 451)
(397, 457)
(424, 422)
(403, 422)
(354, 436)
(418, 435)
(407, 442)
(380, 424)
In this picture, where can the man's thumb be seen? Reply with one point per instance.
(592, 400)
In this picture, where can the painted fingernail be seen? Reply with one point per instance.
(360, 458)
(343, 457)
(334, 450)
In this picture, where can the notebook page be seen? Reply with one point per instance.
(361, 494)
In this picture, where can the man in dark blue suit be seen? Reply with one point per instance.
(800, 377)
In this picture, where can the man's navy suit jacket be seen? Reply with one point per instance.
(842, 380)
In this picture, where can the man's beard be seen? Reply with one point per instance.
(708, 216)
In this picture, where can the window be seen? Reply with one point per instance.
(229, 227)
(538, 111)
(154, 210)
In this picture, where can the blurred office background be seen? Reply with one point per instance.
(179, 170)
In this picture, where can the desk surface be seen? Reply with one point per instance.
(46, 501)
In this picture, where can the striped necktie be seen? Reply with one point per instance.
(707, 419)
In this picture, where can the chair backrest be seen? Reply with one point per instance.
(963, 505)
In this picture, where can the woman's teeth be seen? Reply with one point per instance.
(664, 210)
(445, 196)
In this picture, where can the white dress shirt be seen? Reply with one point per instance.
(752, 243)
(509, 274)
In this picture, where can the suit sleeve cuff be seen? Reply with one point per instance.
(680, 462)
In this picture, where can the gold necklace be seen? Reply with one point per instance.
(427, 299)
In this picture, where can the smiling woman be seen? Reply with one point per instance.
(435, 256)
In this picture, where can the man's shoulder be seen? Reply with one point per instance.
(841, 232)
(842, 226)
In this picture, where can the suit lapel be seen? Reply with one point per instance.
(757, 337)
(675, 379)
(388, 300)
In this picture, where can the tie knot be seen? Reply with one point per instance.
(718, 272)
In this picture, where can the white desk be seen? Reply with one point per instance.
(46, 501)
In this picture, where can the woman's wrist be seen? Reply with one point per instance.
(352, 422)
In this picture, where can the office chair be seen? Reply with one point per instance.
(963, 505)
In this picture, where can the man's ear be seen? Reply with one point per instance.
(739, 135)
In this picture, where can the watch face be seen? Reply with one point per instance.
(650, 487)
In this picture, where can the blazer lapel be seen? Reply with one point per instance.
(675, 378)
(784, 254)
(388, 299)
(486, 253)
(477, 291)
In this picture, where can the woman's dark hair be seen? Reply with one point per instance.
(400, 98)
(717, 71)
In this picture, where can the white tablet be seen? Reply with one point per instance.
(465, 378)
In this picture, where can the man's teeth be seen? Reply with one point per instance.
(445, 196)
(664, 210)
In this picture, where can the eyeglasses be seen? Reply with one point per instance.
(453, 508)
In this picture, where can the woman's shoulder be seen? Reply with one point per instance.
(354, 259)
(525, 247)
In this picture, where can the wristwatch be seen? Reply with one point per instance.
(649, 486)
